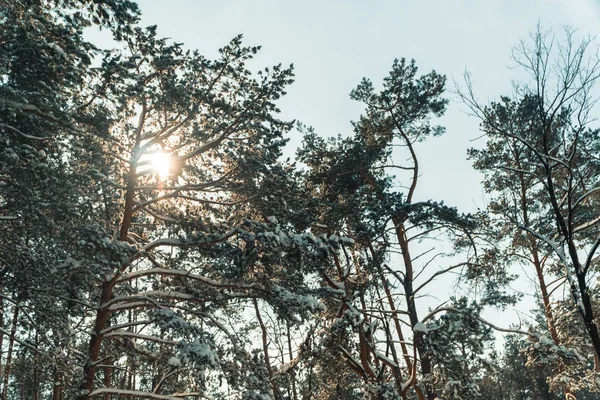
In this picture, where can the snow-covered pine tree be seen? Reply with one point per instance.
(375, 324)
(121, 277)
(44, 62)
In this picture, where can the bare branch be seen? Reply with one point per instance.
(12, 128)
(441, 272)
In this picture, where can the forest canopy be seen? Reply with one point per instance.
(155, 244)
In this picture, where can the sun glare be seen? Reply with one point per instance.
(161, 163)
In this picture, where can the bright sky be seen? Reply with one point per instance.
(334, 43)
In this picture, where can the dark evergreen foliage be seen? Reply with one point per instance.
(229, 273)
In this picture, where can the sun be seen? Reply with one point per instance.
(161, 164)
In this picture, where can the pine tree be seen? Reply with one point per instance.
(137, 278)
(353, 182)
(44, 61)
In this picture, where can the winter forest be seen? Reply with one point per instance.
(155, 242)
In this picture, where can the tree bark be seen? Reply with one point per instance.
(265, 344)
(413, 316)
(107, 380)
(13, 332)
(399, 228)
(36, 371)
(533, 248)
(102, 315)
(56, 386)
(1, 327)
(289, 343)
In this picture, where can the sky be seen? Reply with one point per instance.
(333, 44)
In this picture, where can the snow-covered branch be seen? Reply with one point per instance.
(584, 196)
(590, 257)
(183, 274)
(190, 198)
(176, 242)
(124, 325)
(140, 336)
(559, 252)
(22, 343)
(586, 225)
(495, 327)
(143, 395)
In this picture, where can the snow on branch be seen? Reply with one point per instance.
(354, 363)
(391, 363)
(495, 327)
(159, 216)
(590, 257)
(128, 306)
(586, 225)
(125, 325)
(175, 242)
(191, 186)
(584, 196)
(141, 395)
(140, 336)
(548, 241)
(147, 296)
(190, 198)
(22, 343)
(184, 274)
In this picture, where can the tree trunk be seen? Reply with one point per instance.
(588, 313)
(293, 373)
(266, 351)
(13, 332)
(1, 334)
(399, 333)
(533, 248)
(539, 268)
(565, 228)
(102, 315)
(103, 312)
(108, 371)
(418, 338)
(36, 371)
(57, 386)
(408, 269)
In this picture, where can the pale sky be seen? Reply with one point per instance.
(334, 43)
